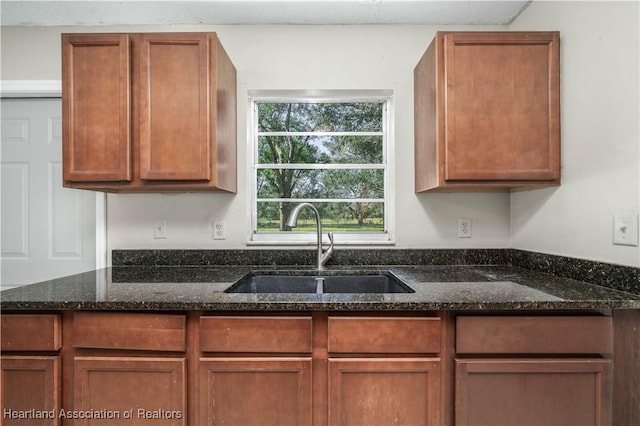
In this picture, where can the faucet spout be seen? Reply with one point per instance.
(322, 256)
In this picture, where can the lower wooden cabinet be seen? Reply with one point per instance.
(319, 369)
(384, 391)
(133, 390)
(533, 370)
(533, 392)
(255, 391)
(130, 367)
(30, 390)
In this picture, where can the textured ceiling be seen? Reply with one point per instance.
(141, 12)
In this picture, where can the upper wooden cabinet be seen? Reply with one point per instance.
(487, 111)
(148, 112)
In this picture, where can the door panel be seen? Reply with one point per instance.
(140, 390)
(532, 392)
(502, 107)
(30, 383)
(47, 231)
(174, 82)
(384, 391)
(97, 107)
(255, 391)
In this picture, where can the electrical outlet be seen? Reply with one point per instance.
(464, 227)
(625, 229)
(218, 229)
(160, 229)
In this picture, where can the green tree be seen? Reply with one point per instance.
(296, 149)
(280, 183)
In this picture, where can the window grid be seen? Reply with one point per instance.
(353, 237)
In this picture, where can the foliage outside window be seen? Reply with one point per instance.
(331, 152)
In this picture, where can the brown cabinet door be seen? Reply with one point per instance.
(377, 391)
(96, 107)
(133, 390)
(533, 392)
(30, 386)
(174, 106)
(255, 391)
(502, 106)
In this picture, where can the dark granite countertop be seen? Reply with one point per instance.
(437, 287)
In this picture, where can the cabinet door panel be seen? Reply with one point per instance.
(404, 391)
(174, 118)
(532, 392)
(502, 112)
(255, 391)
(151, 387)
(30, 383)
(96, 107)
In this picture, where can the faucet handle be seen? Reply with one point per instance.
(330, 235)
(327, 253)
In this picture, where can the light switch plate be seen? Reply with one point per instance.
(160, 229)
(625, 229)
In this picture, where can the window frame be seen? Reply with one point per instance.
(334, 96)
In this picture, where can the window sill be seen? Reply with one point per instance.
(308, 240)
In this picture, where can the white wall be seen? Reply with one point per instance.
(599, 130)
(340, 57)
(600, 45)
(289, 57)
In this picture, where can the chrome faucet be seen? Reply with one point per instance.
(322, 256)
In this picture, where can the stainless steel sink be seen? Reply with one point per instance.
(351, 282)
(274, 284)
(382, 283)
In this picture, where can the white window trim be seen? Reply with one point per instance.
(309, 238)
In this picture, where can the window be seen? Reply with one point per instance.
(331, 151)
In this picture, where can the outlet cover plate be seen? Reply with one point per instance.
(218, 229)
(464, 227)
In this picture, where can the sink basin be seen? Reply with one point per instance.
(274, 284)
(325, 282)
(382, 283)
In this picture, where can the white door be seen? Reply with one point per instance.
(47, 231)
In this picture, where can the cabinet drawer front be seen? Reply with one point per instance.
(510, 335)
(31, 333)
(384, 335)
(129, 331)
(255, 334)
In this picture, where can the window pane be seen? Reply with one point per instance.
(320, 149)
(341, 183)
(337, 217)
(320, 117)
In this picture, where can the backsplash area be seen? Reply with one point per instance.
(623, 278)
